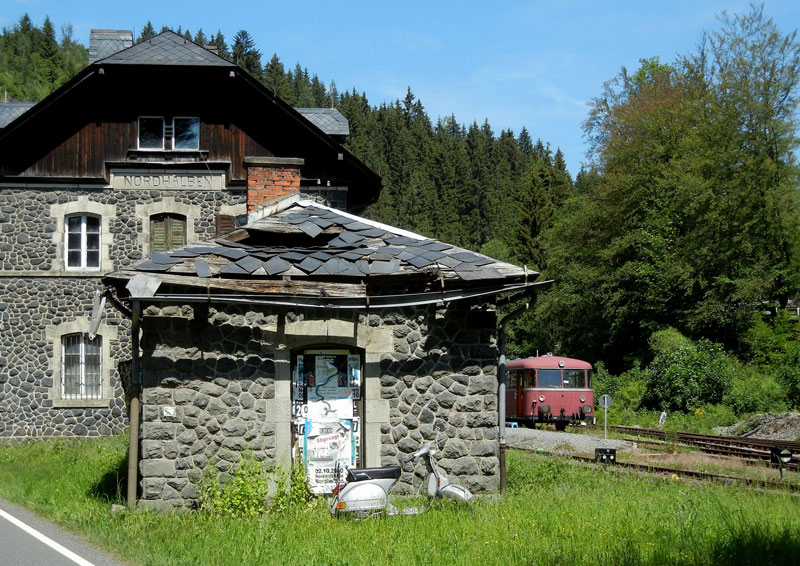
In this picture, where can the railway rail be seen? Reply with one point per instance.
(735, 446)
(726, 479)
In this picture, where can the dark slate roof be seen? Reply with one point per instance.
(309, 240)
(10, 111)
(167, 48)
(329, 120)
(106, 42)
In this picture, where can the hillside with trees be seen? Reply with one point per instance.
(676, 251)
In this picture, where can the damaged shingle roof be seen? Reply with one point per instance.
(311, 241)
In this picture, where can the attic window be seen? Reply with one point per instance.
(186, 133)
(151, 132)
(181, 133)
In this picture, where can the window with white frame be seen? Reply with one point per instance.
(82, 242)
(81, 372)
(179, 132)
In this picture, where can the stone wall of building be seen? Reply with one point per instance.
(36, 294)
(217, 388)
(28, 306)
(443, 367)
(208, 378)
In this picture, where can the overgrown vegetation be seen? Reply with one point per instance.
(253, 489)
(556, 512)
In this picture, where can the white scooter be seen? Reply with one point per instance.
(365, 491)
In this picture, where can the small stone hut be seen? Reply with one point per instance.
(310, 331)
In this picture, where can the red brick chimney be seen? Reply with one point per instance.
(271, 179)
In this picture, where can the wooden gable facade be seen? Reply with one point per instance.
(89, 126)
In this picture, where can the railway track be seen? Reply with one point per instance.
(726, 479)
(735, 446)
(732, 480)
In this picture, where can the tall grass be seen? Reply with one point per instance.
(556, 512)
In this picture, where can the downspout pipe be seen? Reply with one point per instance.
(135, 407)
(501, 386)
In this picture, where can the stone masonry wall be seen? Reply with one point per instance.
(27, 306)
(207, 379)
(443, 368)
(211, 380)
(34, 294)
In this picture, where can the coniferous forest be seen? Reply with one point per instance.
(676, 250)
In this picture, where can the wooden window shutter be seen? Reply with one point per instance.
(225, 223)
(158, 233)
(177, 231)
(167, 232)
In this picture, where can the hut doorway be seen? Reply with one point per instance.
(327, 409)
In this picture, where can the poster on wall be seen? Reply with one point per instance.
(330, 374)
(325, 444)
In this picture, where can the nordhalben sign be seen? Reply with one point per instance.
(171, 180)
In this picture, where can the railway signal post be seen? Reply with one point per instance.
(605, 402)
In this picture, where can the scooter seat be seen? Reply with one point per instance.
(364, 474)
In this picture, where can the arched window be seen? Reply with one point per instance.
(82, 242)
(81, 372)
(167, 231)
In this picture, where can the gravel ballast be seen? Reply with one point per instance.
(549, 441)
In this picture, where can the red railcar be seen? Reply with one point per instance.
(549, 389)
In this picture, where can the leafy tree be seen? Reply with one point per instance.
(685, 375)
(691, 217)
(33, 64)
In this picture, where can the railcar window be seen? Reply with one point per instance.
(549, 378)
(511, 379)
(530, 375)
(575, 378)
(589, 379)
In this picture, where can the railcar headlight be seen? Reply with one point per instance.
(583, 398)
(541, 398)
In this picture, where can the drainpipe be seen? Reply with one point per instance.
(501, 388)
(133, 417)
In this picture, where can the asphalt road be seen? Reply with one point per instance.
(27, 540)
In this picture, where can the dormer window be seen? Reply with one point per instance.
(159, 133)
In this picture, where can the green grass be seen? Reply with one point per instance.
(556, 512)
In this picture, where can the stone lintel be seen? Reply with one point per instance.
(273, 161)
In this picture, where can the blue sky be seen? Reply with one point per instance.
(533, 64)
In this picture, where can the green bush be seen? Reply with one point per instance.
(626, 390)
(252, 489)
(773, 345)
(296, 495)
(685, 375)
(243, 494)
(754, 391)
